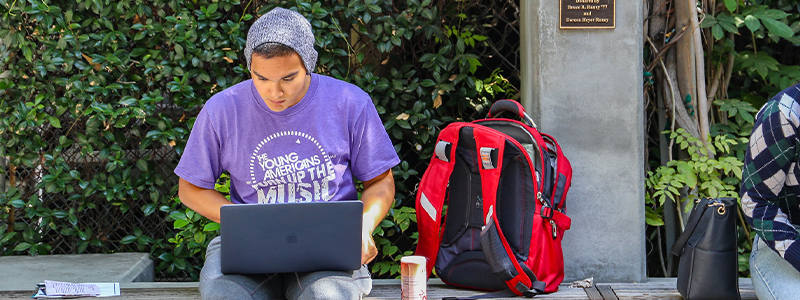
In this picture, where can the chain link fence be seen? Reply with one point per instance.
(106, 222)
(499, 21)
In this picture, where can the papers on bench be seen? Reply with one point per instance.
(58, 289)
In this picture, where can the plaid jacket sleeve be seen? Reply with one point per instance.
(769, 166)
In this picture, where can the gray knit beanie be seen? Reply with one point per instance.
(286, 27)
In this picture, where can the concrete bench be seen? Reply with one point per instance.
(24, 272)
(389, 289)
(134, 272)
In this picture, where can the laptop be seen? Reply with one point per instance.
(291, 237)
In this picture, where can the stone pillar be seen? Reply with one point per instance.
(584, 86)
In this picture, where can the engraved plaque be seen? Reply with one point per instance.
(587, 14)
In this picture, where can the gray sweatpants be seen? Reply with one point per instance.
(315, 285)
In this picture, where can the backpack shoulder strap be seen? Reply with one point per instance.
(495, 246)
(431, 193)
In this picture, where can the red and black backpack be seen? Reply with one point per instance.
(502, 185)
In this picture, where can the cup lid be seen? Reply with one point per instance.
(414, 259)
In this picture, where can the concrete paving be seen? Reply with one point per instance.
(24, 272)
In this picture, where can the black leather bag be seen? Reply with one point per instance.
(708, 267)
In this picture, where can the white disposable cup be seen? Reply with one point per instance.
(414, 278)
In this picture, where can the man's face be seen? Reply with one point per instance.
(281, 81)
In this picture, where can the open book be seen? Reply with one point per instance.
(58, 289)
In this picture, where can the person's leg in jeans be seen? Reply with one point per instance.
(333, 285)
(773, 277)
(215, 285)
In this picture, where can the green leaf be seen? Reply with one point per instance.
(180, 224)
(28, 53)
(179, 50)
(113, 59)
(427, 83)
(708, 21)
(166, 256)
(199, 237)
(62, 43)
(22, 246)
(473, 65)
(386, 224)
(770, 14)
(717, 32)
(389, 250)
(55, 122)
(752, 23)
(731, 5)
(149, 209)
(204, 77)
(728, 23)
(153, 134)
(460, 47)
(374, 8)
(762, 63)
(142, 165)
(127, 101)
(653, 219)
(177, 216)
(777, 28)
(128, 239)
(426, 57)
(403, 124)
(7, 237)
(211, 227)
(19, 203)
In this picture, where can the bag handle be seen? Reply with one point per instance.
(511, 106)
(694, 220)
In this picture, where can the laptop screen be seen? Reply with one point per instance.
(290, 237)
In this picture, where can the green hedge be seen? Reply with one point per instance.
(98, 99)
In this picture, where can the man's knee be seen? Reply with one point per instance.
(223, 288)
(267, 286)
(331, 289)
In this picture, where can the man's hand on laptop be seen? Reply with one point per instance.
(368, 249)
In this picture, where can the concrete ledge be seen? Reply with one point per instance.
(389, 289)
(159, 285)
(651, 281)
(195, 284)
(24, 272)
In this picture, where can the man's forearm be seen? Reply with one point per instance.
(203, 201)
(378, 197)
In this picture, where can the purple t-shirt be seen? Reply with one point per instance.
(308, 152)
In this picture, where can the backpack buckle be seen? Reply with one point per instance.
(442, 150)
(488, 157)
(547, 210)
